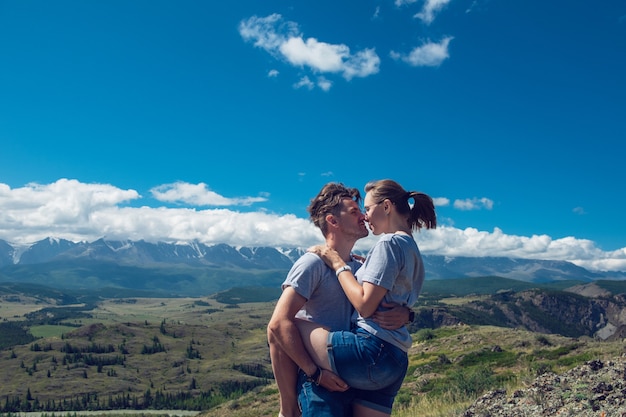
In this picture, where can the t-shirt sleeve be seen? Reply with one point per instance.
(381, 266)
(304, 276)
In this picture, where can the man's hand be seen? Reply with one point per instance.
(392, 319)
(332, 382)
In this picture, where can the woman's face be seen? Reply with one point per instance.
(375, 214)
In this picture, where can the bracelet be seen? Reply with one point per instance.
(343, 268)
(316, 377)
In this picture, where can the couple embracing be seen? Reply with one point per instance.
(338, 337)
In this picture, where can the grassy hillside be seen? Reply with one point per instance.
(210, 353)
(134, 349)
(453, 366)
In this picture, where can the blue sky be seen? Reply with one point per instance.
(218, 121)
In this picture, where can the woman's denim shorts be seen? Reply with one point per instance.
(374, 367)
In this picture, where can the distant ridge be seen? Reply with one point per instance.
(191, 267)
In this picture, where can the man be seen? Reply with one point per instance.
(311, 292)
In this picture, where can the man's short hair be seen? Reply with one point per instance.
(328, 201)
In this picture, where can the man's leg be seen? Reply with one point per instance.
(362, 411)
(286, 376)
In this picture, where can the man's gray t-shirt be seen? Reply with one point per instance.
(395, 264)
(326, 303)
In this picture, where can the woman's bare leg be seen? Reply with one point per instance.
(315, 340)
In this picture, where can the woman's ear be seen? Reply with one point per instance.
(387, 207)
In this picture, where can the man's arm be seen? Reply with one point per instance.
(283, 332)
(287, 348)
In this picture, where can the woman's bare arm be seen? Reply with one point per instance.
(366, 298)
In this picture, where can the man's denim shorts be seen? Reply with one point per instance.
(375, 368)
(316, 401)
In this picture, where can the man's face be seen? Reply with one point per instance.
(352, 220)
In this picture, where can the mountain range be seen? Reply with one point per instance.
(195, 268)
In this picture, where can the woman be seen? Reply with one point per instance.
(371, 359)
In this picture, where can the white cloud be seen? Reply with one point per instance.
(376, 13)
(273, 73)
(362, 64)
(324, 84)
(63, 208)
(265, 32)
(304, 82)
(403, 2)
(321, 82)
(198, 195)
(473, 204)
(321, 56)
(441, 201)
(284, 40)
(430, 54)
(78, 211)
(207, 226)
(471, 242)
(471, 7)
(430, 9)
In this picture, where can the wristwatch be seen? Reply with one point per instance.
(411, 316)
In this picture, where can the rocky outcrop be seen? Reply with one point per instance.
(596, 389)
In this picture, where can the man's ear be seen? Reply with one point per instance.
(331, 220)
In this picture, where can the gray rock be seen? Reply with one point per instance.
(596, 389)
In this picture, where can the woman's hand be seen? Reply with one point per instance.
(328, 255)
(317, 249)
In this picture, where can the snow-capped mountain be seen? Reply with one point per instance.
(142, 253)
(192, 267)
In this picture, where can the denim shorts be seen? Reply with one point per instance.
(373, 367)
(316, 401)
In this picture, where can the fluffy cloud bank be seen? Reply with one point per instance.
(78, 211)
(283, 40)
